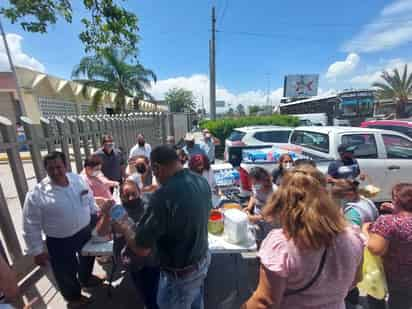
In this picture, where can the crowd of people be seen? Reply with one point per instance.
(308, 226)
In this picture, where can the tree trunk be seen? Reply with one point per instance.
(401, 109)
(120, 103)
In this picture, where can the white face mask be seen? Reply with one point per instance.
(95, 173)
(287, 166)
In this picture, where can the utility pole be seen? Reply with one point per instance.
(13, 70)
(212, 59)
(268, 91)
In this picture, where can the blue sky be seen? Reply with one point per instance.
(347, 43)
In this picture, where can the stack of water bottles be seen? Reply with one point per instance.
(227, 178)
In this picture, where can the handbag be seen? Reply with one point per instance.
(373, 276)
(290, 292)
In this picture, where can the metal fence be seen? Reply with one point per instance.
(76, 137)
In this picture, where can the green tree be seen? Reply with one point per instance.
(240, 110)
(110, 71)
(179, 100)
(107, 24)
(230, 112)
(397, 88)
(253, 109)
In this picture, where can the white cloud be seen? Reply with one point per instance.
(391, 29)
(19, 57)
(341, 68)
(398, 7)
(199, 85)
(326, 92)
(366, 79)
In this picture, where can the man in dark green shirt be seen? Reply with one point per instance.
(176, 224)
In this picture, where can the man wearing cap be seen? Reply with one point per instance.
(345, 168)
(208, 145)
(191, 148)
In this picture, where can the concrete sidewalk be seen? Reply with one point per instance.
(42, 286)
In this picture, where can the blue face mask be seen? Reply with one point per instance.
(257, 187)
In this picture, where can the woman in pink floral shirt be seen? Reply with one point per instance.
(390, 236)
(312, 261)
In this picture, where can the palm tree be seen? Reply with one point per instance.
(110, 72)
(397, 88)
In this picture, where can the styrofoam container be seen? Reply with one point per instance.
(236, 226)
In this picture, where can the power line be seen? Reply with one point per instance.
(222, 16)
(287, 36)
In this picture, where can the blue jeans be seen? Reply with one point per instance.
(183, 293)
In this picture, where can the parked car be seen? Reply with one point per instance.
(401, 126)
(385, 156)
(252, 137)
(255, 136)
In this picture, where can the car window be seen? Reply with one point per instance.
(273, 136)
(397, 147)
(236, 136)
(313, 140)
(365, 145)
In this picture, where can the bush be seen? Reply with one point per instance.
(222, 128)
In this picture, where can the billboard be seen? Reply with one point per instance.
(304, 85)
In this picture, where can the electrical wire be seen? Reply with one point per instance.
(222, 16)
(287, 36)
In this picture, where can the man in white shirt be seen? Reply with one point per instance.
(63, 208)
(208, 146)
(140, 149)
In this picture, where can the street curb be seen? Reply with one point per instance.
(24, 157)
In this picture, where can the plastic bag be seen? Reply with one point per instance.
(373, 276)
(367, 189)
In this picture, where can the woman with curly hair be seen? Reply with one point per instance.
(313, 259)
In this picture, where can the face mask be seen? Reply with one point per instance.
(141, 143)
(95, 173)
(287, 166)
(347, 158)
(109, 145)
(130, 204)
(257, 187)
(141, 168)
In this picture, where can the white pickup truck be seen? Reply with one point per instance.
(384, 156)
